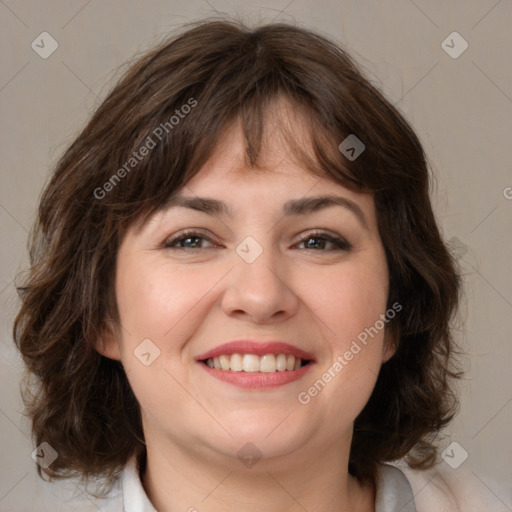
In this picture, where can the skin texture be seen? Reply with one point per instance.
(190, 300)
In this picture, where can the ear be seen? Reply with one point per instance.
(107, 343)
(389, 347)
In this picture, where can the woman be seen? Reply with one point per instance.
(239, 297)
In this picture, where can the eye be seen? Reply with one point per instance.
(187, 240)
(324, 238)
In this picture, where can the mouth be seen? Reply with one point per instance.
(250, 364)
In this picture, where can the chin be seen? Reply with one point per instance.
(268, 435)
(264, 451)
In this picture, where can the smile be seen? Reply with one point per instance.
(257, 372)
(268, 363)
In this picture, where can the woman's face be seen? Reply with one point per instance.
(190, 281)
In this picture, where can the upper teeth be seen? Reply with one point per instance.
(253, 363)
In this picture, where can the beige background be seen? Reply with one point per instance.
(461, 108)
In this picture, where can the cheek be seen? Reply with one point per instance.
(349, 303)
(157, 303)
(155, 299)
(350, 300)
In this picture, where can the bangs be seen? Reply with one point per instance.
(181, 153)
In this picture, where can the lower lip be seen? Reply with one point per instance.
(258, 380)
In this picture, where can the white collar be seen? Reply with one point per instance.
(134, 496)
(393, 490)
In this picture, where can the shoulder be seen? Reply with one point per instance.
(444, 489)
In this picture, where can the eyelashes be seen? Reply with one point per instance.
(338, 243)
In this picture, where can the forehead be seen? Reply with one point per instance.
(278, 173)
(265, 137)
(228, 162)
(226, 187)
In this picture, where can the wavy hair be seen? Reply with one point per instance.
(80, 402)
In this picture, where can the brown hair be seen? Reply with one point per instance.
(82, 404)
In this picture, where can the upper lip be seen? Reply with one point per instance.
(259, 348)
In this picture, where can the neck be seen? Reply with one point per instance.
(181, 479)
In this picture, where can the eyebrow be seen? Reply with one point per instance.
(301, 206)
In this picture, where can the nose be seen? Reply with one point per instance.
(261, 291)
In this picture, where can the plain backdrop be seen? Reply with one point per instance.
(460, 106)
